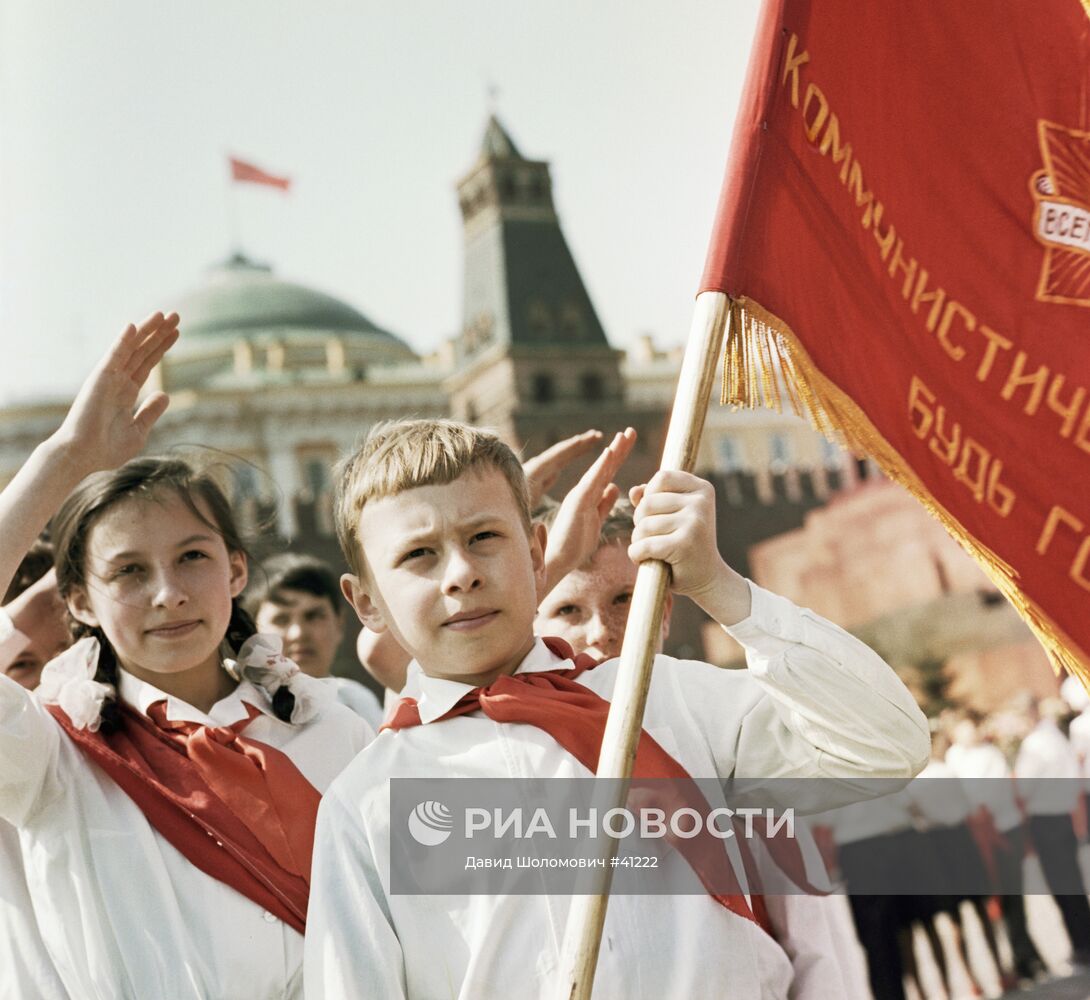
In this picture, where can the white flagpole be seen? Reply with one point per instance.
(703, 352)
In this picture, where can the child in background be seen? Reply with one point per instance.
(1047, 753)
(433, 518)
(35, 622)
(589, 607)
(946, 855)
(165, 776)
(972, 757)
(298, 598)
(34, 565)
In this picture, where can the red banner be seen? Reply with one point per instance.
(905, 230)
(243, 171)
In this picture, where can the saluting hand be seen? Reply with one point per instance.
(104, 427)
(542, 471)
(573, 537)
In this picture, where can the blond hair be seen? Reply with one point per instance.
(399, 455)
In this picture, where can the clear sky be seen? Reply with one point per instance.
(116, 119)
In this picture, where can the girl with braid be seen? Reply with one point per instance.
(165, 776)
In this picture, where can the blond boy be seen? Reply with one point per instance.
(434, 521)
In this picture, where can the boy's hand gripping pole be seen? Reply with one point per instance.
(698, 371)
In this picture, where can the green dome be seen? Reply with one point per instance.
(241, 296)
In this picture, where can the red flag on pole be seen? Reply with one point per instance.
(904, 230)
(243, 171)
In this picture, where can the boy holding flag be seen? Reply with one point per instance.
(434, 521)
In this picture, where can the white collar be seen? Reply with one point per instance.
(439, 695)
(141, 695)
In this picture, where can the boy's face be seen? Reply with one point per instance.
(589, 607)
(309, 625)
(450, 571)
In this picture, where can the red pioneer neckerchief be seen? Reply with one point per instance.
(236, 808)
(554, 701)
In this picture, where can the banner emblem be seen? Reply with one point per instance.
(1061, 217)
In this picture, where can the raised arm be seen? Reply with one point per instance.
(103, 429)
(573, 537)
(38, 622)
(829, 706)
(542, 471)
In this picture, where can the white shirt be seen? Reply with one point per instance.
(871, 818)
(1046, 753)
(815, 702)
(26, 970)
(12, 641)
(358, 697)
(122, 912)
(987, 781)
(816, 932)
(938, 803)
(25, 967)
(1079, 734)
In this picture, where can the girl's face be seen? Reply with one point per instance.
(159, 583)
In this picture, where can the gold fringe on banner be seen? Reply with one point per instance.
(764, 362)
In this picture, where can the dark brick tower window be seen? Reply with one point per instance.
(543, 389)
(591, 387)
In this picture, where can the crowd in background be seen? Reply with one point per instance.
(1001, 793)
